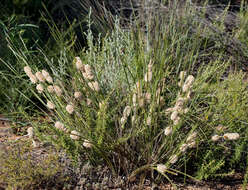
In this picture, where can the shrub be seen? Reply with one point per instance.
(23, 167)
(149, 102)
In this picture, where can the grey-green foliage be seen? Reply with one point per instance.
(113, 59)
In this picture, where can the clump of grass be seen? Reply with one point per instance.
(148, 109)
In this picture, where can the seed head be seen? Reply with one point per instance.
(77, 95)
(182, 75)
(148, 76)
(127, 111)
(148, 97)
(180, 102)
(75, 135)
(60, 126)
(150, 65)
(167, 131)
(88, 73)
(183, 148)
(176, 121)
(186, 110)
(88, 102)
(215, 138)
(231, 136)
(161, 168)
(133, 119)
(34, 143)
(123, 120)
(158, 92)
(70, 108)
(49, 79)
(46, 75)
(191, 137)
(50, 105)
(174, 115)
(149, 120)
(173, 159)
(33, 79)
(30, 132)
(27, 70)
(87, 144)
(189, 95)
(79, 64)
(40, 88)
(57, 90)
(188, 83)
(50, 89)
(168, 110)
(160, 101)
(192, 144)
(220, 128)
(134, 99)
(94, 86)
(141, 102)
(40, 77)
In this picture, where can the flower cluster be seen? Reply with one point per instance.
(125, 115)
(148, 75)
(88, 75)
(226, 136)
(29, 73)
(179, 107)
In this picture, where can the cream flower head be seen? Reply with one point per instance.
(87, 144)
(79, 64)
(123, 120)
(57, 90)
(127, 111)
(50, 105)
(148, 76)
(33, 79)
(148, 97)
(88, 102)
(134, 99)
(40, 88)
(215, 138)
(149, 120)
(174, 115)
(182, 75)
(30, 132)
(94, 86)
(231, 136)
(191, 137)
(60, 126)
(77, 95)
(75, 135)
(50, 89)
(49, 79)
(27, 70)
(183, 148)
(46, 75)
(188, 83)
(40, 77)
(167, 131)
(70, 108)
(161, 168)
(173, 159)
